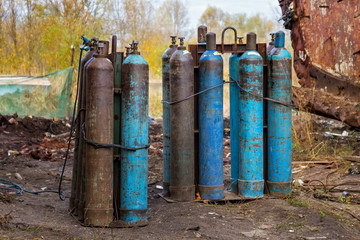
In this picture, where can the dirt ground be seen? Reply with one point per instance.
(32, 152)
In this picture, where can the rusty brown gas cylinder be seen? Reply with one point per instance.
(82, 146)
(182, 186)
(99, 128)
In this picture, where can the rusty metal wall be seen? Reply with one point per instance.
(325, 38)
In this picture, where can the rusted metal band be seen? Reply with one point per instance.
(183, 193)
(278, 184)
(279, 189)
(98, 217)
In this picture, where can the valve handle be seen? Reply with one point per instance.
(181, 41)
(173, 39)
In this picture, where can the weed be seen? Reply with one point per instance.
(322, 214)
(35, 229)
(290, 222)
(296, 202)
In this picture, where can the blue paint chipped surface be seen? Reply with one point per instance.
(134, 133)
(279, 122)
(234, 120)
(211, 126)
(251, 182)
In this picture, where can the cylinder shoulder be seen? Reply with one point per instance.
(135, 59)
(87, 57)
(251, 55)
(168, 53)
(211, 54)
(234, 57)
(103, 63)
(181, 55)
(279, 53)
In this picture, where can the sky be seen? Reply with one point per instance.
(266, 8)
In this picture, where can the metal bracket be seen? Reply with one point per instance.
(222, 39)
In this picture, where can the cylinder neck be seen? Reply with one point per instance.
(251, 42)
(280, 39)
(210, 41)
(202, 30)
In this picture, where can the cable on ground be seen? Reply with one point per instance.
(11, 186)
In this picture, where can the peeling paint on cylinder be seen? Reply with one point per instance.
(82, 144)
(211, 122)
(166, 113)
(134, 133)
(182, 177)
(99, 128)
(234, 119)
(279, 119)
(251, 180)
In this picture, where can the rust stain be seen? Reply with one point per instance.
(325, 35)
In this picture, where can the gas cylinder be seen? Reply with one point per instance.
(99, 128)
(134, 133)
(211, 122)
(279, 119)
(271, 44)
(234, 118)
(251, 180)
(82, 145)
(166, 113)
(75, 185)
(182, 186)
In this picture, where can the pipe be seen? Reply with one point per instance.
(211, 122)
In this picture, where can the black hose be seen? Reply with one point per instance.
(71, 130)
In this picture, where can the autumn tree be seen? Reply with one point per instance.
(216, 20)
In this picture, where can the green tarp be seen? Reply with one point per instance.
(47, 96)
